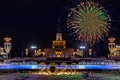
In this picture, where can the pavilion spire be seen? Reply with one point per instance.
(59, 28)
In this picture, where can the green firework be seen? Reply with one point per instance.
(89, 21)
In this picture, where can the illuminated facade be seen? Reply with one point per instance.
(113, 48)
(58, 49)
(2, 51)
(58, 43)
(7, 47)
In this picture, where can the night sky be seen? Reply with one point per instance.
(36, 21)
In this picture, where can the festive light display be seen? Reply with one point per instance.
(89, 21)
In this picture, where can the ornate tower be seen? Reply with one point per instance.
(59, 43)
(58, 47)
(112, 46)
(7, 45)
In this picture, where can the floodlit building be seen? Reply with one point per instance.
(2, 52)
(58, 49)
(113, 48)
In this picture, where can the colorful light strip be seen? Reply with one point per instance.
(79, 67)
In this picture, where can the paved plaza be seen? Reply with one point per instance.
(31, 76)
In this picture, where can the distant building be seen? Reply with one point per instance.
(58, 49)
(113, 48)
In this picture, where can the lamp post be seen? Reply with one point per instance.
(33, 48)
(82, 49)
(7, 45)
(90, 52)
(26, 52)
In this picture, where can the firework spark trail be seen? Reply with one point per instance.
(89, 21)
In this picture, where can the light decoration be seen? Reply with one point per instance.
(26, 52)
(7, 45)
(58, 54)
(89, 21)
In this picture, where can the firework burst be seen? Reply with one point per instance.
(89, 21)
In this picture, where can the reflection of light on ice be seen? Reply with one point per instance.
(81, 67)
(34, 67)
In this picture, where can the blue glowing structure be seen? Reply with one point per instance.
(78, 67)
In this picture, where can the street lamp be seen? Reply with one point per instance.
(82, 49)
(26, 52)
(33, 49)
(7, 45)
(90, 52)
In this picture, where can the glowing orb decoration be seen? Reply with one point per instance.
(89, 21)
(52, 69)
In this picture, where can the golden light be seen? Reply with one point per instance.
(90, 51)
(112, 39)
(26, 52)
(7, 39)
(58, 54)
(1, 51)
